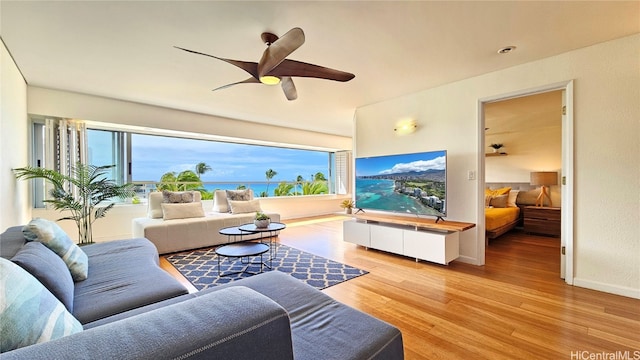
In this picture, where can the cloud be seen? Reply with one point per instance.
(438, 163)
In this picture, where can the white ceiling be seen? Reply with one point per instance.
(124, 50)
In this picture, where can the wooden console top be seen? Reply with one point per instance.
(417, 222)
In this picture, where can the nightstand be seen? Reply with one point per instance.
(542, 220)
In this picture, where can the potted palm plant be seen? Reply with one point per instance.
(80, 193)
(347, 205)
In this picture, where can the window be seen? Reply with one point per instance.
(154, 161)
(108, 148)
(231, 165)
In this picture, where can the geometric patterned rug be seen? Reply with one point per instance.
(200, 267)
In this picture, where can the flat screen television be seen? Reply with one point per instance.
(413, 183)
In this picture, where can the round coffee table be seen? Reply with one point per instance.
(243, 250)
(272, 229)
(233, 232)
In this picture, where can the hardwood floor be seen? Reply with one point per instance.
(514, 307)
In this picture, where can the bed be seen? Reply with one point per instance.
(500, 220)
(503, 202)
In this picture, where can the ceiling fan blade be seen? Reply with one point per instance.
(250, 67)
(279, 50)
(250, 80)
(301, 69)
(289, 88)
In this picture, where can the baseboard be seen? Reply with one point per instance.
(608, 288)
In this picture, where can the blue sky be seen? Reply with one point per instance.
(153, 156)
(400, 163)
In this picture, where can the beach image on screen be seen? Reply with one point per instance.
(408, 183)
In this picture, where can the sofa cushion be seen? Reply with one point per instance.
(11, 241)
(220, 203)
(243, 207)
(29, 313)
(177, 197)
(49, 269)
(124, 275)
(156, 198)
(53, 237)
(238, 195)
(182, 210)
(318, 322)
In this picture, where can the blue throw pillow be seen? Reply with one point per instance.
(29, 313)
(49, 269)
(53, 237)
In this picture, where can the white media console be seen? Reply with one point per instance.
(419, 238)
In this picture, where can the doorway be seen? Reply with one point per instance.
(540, 148)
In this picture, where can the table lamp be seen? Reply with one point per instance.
(544, 179)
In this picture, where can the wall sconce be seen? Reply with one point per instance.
(544, 179)
(406, 127)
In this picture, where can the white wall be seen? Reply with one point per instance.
(607, 151)
(71, 105)
(13, 143)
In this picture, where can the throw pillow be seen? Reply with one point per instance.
(513, 196)
(29, 313)
(177, 196)
(243, 207)
(499, 201)
(49, 269)
(487, 200)
(238, 195)
(220, 203)
(182, 211)
(155, 208)
(52, 236)
(497, 192)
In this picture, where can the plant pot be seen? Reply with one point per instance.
(347, 210)
(261, 224)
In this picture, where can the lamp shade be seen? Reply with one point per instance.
(545, 178)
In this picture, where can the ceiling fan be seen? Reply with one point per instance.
(274, 68)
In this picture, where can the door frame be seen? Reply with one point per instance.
(567, 223)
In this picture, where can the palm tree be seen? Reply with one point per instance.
(172, 182)
(168, 181)
(283, 189)
(80, 193)
(202, 168)
(299, 181)
(269, 174)
(314, 188)
(319, 177)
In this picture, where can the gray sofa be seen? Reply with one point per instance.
(267, 316)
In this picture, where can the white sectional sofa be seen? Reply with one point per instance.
(174, 227)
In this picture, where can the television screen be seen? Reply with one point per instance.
(408, 183)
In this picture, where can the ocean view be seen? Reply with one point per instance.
(378, 194)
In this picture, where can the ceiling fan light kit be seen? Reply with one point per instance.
(274, 68)
(270, 80)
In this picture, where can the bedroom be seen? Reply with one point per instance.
(529, 130)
